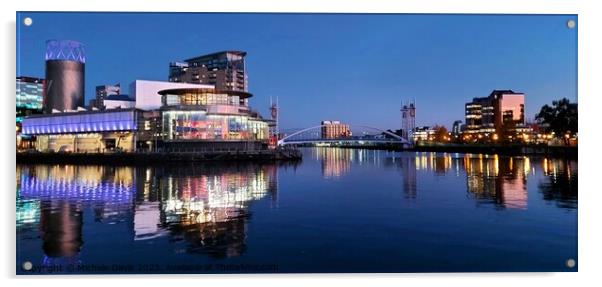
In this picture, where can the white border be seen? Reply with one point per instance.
(589, 103)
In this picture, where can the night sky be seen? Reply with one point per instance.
(354, 68)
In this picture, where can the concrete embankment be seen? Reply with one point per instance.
(157, 158)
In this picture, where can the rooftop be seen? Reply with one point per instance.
(183, 91)
(212, 55)
(503, 92)
(29, 79)
(119, 98)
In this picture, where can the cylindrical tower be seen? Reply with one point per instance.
(65, 67)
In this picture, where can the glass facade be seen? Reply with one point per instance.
(334, 130)
(204, 97)
(209, 114)
(512, 108)
(29, 96)
(80, 123)
(224, 70)
(198, 125)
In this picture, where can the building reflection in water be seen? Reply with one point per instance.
(498, 180)
(560, 182)
(493, 179)
(59, 193)
(204, 206)
(490, 178)
(336, 162)
(440, 164)
(205, 209)
(61, 231)
(207, 206)
(408, 169)
(411, 164)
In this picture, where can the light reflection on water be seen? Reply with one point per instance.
(205, 210)
(499, 180)
(205, 205)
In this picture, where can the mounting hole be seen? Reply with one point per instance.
(570, 263)
(27, 266)
(27, 21)
(570, 24)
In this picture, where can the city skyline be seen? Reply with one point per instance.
(327, 66)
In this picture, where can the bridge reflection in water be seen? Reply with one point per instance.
(205, 209)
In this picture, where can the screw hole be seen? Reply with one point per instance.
(570, 24)
(570, 263)
(27, 21)
(27, 266)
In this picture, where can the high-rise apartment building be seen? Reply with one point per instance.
(224, 70)
(334, 130)
(502, 110)
(103, 92)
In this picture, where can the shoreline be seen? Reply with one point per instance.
(508, 150)
(152, 158)
(148, 158)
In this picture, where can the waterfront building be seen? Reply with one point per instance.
(204, 118)
(224, 70)
(190, 118)
(457, 128)
(180, 115)
(102, 92)
(84, 131)
(334, 130)
(127, 123)
(29, 101)
(30, 96)
(502, 113)
(479, 116)
(146, 93)
(424, 133)
(65, 71)
(119, 102)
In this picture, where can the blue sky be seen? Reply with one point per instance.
(350, 67)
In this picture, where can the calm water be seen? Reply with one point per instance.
(338, 210)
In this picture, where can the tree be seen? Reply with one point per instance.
(560, 118)
(441, 134)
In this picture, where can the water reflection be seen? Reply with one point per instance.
(492, 179)
(206, 211)
(207, 205)
(204, 206)
(498, 180)
(408, 169)
(61, 231)
(438, 163)
(335, 162)
(560, 182)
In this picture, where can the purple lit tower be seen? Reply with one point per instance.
(65, 67)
